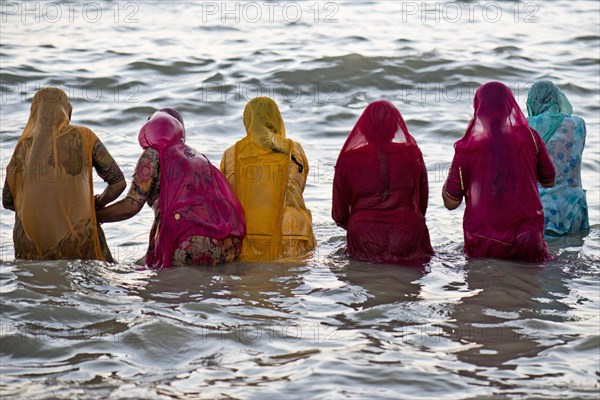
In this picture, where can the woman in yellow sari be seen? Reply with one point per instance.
(268, 173)
(49, 184)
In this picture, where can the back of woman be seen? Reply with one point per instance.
(268, 173)
(49, 184)
(565, 204)
(380, 190)
(496, 167)
(492, 188)
(365, 186)
(197, 217)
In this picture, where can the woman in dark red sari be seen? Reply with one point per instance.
(380, 190)
(496, 167)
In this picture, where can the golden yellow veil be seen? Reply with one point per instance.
(270, 185)
(50, 178)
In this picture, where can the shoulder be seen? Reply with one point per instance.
(294, 143)
(531, 138)
(228, 157)
(21, 149)
(460, 143)
(22, 145)
(459, 147)
(230, 150)
(296, 148)
(84, 131)
(148, 159)
(419, 155)
(415, 150)
(577, 121)
(87, 135)
(149, 152)
(573, 124)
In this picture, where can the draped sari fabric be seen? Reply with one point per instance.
(380, 189)
(50, 177)
(550, 113)
(268, 172)
(194, 199)
(496, 167)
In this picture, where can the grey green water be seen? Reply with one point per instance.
(328, 328)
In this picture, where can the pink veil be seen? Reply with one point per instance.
(195, 197)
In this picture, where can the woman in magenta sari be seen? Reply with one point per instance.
(496, 167)
(380, 190)
(198, 218)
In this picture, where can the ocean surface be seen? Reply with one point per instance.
(329, 327)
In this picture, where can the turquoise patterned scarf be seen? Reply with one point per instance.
(547, 107)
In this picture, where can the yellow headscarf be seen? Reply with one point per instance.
(264, 125)
(50, 178)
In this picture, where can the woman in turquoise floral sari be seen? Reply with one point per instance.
(550, 114)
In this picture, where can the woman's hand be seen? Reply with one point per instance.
(97, 202)
(119, 211)
(449, 202)
(111, 192)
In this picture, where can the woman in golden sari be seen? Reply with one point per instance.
(268, 173)
(49, 184)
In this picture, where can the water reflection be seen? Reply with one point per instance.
(504, 320)
(265, 286)
(376, 285)
(55, 305)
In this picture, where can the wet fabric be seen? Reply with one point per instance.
(268, 172)
(545, 98)
(565, 204)
(195, 199)
(145, 185)
(202, 250)
(195, 250)
(496, 166)
(380, 189)
(50, 181)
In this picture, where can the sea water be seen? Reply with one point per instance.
(328, 327)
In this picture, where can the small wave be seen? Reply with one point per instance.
(117, 53)
(353, 39)
(506, 49)
(142, 110)
(584, 62)
(176, 68)
(587, 38)
(218, 77)
(7, 77)
(217, 28)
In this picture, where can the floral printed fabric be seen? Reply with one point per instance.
(565, 204)
(202, 250)
(195, 250)
(146, 183)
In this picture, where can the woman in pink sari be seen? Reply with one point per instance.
(198, 218)
(380, 190)
(496, 167)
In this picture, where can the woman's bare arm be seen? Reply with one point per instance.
(449, 202)
(119, 211)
